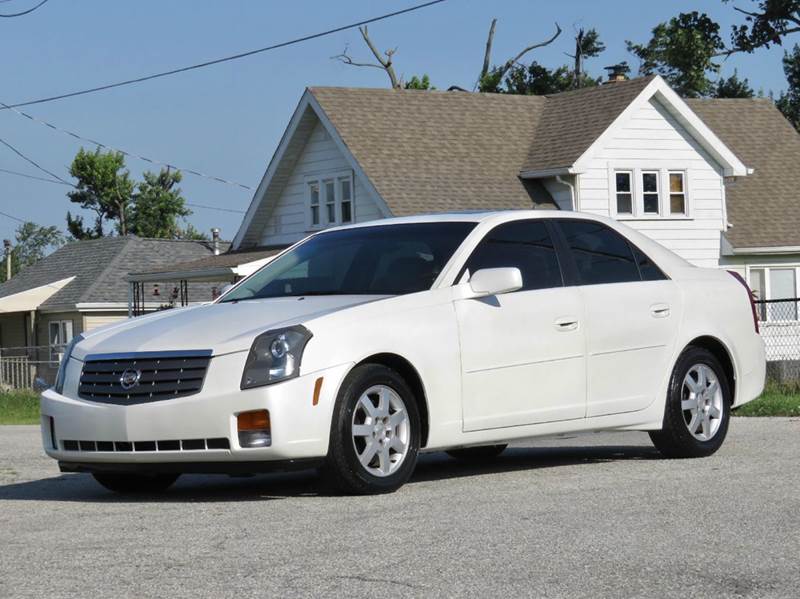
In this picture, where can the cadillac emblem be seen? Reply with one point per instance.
(130, 379)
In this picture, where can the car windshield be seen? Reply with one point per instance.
(375, 260)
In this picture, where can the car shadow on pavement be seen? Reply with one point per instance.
(207, 488)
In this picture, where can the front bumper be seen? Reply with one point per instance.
(136, 435)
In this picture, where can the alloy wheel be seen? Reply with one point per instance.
(702, 402)
(381, 430)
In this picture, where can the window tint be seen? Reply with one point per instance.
(648, 270)
(601, 255)
(524, 244)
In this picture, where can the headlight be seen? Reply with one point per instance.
(275, 356)
(62, 367)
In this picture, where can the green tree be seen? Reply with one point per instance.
(682, 52)
(789, 101)
(157, 205)
(416, 83)
(538, 80)
(733, 87)
(587, 45)
(105, 187)
(768, 24)
(33, 242)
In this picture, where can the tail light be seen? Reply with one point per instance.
(739, 278)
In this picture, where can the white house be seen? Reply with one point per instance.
(714, 180)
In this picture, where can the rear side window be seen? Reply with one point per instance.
(648, 270)
(524, 244)
(601, 254)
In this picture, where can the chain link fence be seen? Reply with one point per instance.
(780, 329)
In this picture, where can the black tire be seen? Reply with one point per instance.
(477, 454)
(674, 439)
(135, 484)
(342, 467)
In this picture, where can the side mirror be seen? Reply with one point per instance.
(495, 281)
(40, 385)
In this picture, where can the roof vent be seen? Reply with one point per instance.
(618, 72)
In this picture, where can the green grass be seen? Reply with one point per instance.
(19, 407)
(777, 400)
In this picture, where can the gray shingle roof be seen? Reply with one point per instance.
(100, 267)
(228, 259)
(764, 208)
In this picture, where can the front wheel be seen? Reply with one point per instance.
(698, 407)
(130, 484)
(375, 432)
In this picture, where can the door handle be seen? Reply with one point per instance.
(659, 310)
(567, 323)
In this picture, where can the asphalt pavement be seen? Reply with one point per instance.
(598, 515)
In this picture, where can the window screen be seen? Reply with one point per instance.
(525, 245)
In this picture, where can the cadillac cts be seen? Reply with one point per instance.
(359, 347)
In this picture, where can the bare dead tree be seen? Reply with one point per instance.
(577, 70)
(501, 71)
(384, 60)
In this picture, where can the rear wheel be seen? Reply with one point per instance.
(130, 484)
(375, 433)
(697, 411)
(477, 454)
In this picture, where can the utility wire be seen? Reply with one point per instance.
(124, 152)
(68, 184)
(227, 58)
(24, 12)
(19, 220)
(31, 161)
(27, 176)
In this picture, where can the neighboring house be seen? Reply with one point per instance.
(83, 285)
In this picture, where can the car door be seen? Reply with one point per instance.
(631, 315)
(522, 353)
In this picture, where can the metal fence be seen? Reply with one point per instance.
(21, 366)
(780, 329)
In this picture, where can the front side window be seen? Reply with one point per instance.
(601, 255)
(624, 192)
(375, 260)
(522, 244)
(650, 192)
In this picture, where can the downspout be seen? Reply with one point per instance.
(572, 197)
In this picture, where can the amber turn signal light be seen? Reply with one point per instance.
(257, 420)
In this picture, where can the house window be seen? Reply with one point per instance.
(677, 193)
(60, 335)
(775, 285)
(345, 185)
(624, 192)
(650, 192)
(329, 200)
(313, 194)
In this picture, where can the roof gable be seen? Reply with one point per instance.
(763, 208)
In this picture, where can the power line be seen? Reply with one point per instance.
(19, 220)
(24, 12)
(31, 161)
(227, 58)
(68, 184)
(27, 176)
(126, 153)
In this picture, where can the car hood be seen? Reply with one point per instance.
(223, 327)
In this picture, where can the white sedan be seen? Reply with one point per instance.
(360, 347)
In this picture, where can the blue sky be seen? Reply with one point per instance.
(226, 120)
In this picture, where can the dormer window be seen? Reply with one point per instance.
(329, 200)
(648, 193)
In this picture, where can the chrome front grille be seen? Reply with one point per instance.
(127, 379)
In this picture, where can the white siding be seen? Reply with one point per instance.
(561, 193)
(653, 139)
(92, 321)
(287, 223)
